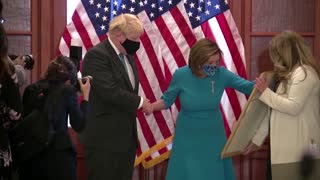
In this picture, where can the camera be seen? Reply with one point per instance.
(84, 79)
(28, 59)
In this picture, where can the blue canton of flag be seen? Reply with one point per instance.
(102, 11)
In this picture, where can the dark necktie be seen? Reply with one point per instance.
(121, 57)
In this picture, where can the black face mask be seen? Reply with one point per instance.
(131, 46)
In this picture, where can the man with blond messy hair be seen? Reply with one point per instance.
(110, 138)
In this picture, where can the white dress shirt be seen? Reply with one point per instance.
(129, 68)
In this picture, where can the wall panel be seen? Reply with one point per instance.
(275, 15)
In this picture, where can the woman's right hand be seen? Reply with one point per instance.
(250, 148)
(261, 84)
(85, 88)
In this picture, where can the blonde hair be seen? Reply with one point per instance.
(200, 52)
(129, 24)
(288, 51)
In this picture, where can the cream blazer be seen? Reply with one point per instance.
(294, 117)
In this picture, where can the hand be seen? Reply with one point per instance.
(20, 61)
(261, 84)
(146, 107)
(250, 148)
(85, 88)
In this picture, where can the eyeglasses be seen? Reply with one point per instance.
(2, 20)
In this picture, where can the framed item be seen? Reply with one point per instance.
(249, 121)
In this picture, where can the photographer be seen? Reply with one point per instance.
(58, 161)
(10, 105)
(19, 68)
(21, 64)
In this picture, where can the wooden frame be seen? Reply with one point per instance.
(249, 121)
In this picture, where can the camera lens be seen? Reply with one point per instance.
(29, 61)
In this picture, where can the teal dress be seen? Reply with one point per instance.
(200, 134)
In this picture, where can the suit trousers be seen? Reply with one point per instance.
(109, 165)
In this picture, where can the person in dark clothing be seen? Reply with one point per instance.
(58, 161)
(10, 104)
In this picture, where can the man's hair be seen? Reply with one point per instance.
(129, 24)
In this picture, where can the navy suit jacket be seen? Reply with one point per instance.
(113, 102)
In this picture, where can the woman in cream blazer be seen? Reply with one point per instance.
(294, 108)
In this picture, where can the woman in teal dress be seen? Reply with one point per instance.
(200, 134)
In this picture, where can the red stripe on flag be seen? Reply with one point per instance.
(231, 45)
(139, 151)
(146, 131)
(167, 73)
(149, 93)
(58, 53)
(152, 57)
(234, 101)
(82, 30)
(67, 37)
(163, 150)
(183, 26)
(170, 41)
(206, 29)
(148, 158)
(103, 37)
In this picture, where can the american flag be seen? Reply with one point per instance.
(171, 28)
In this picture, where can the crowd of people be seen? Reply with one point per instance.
(58, 160)
(105, 119)
(10, 104)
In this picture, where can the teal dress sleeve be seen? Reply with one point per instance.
(238, 83)
(170, 95)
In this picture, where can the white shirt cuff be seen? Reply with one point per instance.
(141, 102)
